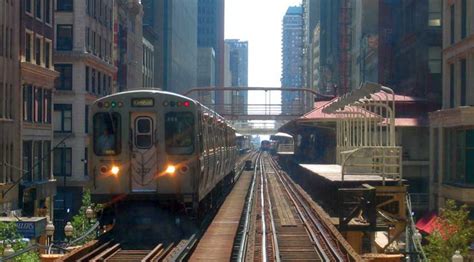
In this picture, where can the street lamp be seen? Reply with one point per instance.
(50, 232)
(89, 213)
(8, 251)
(68, 229)
(457, 257)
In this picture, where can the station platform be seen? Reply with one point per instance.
(218, 240)
(333, 173)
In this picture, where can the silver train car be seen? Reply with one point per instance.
(158, 145)
(282, 143)
(243, 142)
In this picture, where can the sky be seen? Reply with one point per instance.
(259, 22)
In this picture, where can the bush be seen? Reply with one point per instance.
(80, 222)
(454, 232)
(9, 235)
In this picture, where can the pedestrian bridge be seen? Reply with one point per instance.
(257, 110)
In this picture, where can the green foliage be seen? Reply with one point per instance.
(9, 235)
(456, 232)
(80, 222)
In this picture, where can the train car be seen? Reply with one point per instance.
(158, 145)
(282, 143)
(265, 145)
(243, 143)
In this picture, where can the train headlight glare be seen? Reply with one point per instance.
(170, 169)
(115, 170)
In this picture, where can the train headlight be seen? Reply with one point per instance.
(114, 170)
(170, 169)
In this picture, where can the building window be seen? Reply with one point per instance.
(64, 37)
(28, 46)
(86, 119)
(28, 6)
(37, 161)
(93, 81)
(87, 78)
(459, 156)
(38, 105)
(434, 59)
(99, 82)
(434, 16)
(46, 160)
(88, 43)
(463, 81)
(64, 5)
(452, 25)
(452, 99)
(39, 9)
(85, 160)
(62, 161)
(63, 118)
(48, 11)
(27, 160)
(64, 81)
(27, 103)
(38, 50)
(47, 105)
(463, 18)
(104, 84)
(47, 53)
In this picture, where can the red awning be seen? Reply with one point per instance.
(428, 223)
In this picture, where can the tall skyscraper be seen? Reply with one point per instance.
(173, 22)
(238, 63)
(292, 55)
(211, 32)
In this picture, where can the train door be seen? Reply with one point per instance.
(144, 160)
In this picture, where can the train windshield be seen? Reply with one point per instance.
(179, 133)
(106, 134)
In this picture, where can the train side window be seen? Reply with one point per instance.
(143, 132)
(107, 135)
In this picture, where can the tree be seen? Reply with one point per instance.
(80, 222)
(9, 235)
(454, 231)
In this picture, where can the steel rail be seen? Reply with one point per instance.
(243, 242)
(328, 247)
(262, 214)
(276, 249)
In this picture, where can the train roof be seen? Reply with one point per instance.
(282, 134)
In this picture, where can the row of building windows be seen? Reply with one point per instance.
(6, 101)
(6, 41)
(100, 11)
(38, 50)
(98, 45)
(36, 160)
(37, 104)
(458, 83)
(42, 10)
(63, 161)
(6, 162)
(97, 82)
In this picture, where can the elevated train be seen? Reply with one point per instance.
(282, 143)
(158, 145)
(244, 143)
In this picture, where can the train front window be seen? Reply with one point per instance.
(179, 133)
(106, 134)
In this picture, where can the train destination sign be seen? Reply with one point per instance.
(143, 102)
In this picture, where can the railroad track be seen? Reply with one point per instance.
(287, 226)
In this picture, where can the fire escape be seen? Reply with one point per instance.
(345, 38)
